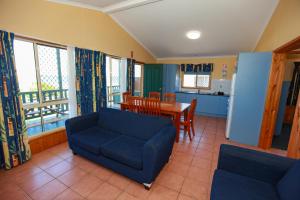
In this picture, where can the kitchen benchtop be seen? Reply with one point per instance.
(202, 93)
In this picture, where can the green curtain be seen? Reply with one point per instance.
(90, 80)
(130, 75)
(15, 149)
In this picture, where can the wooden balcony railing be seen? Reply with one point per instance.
(33, 108)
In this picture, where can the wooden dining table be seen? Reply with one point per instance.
(176, 110)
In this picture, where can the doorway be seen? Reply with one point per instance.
(280, 58)
(287, 105)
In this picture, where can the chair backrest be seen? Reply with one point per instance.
(154, 95)
(136, 104)
(170, 97)
(152, 106)
(125, 96)
(192, 110)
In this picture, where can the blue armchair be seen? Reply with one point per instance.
(244, 174)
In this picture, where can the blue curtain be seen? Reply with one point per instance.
(130, 75)
(90, 80)
(198, 68)
(14, 145)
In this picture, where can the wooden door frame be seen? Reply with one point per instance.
(274, 91)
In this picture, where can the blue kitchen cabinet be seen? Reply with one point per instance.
(207, 105)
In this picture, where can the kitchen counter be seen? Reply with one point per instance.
(208, 104)
(202, 93)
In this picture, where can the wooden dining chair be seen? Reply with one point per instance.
(170, 97)
(152, 106)
(136, 104)
(188, 123)
(125, 96)
(154, 95)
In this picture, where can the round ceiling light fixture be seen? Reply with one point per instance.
(193, 35)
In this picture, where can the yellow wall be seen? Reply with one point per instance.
(283, 26)
(69, 25)
(230, 61)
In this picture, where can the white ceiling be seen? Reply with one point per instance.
(227, 26)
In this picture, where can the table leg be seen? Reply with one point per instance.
(177, 122)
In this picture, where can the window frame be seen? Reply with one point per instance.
(41, 104)
(110, 97)
(142, 77)
(196, 87)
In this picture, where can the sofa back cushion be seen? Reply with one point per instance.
(131, 124)
(289, 186)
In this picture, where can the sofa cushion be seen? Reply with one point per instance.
(131, 124)
(126, 150)
(232, 186)
(289, 186)
(93, 138)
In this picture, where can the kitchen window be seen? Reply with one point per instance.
(42, 75)
(197, 81)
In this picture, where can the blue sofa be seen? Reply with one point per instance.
(244, 174)
(136, 146)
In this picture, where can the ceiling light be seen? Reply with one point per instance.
(193, 35)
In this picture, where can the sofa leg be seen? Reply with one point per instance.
(147, 185)
(74, 153)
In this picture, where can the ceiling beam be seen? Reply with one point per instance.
(125, 5)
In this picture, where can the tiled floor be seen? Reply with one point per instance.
(57, 174)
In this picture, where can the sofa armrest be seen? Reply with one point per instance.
(80, 123)
(157, 151)
(258, 165)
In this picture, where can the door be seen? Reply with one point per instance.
(250, 95)
(153, 75)
(272, 101)
(294, 144)
(170, 78)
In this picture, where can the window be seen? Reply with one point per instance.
(196, 81)
(42, 75)
(138, 80)
(113, 82)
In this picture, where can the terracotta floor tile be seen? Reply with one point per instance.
(195, 189)
(119, 181)
(204, 154)
(199, 174)
(15, 195)
(8, 188)
(126, 196)
(178, 168)
(102, 173)
(201, 163)
(171, 181)
(60, 168)
(32, 183)
(183, 158)
(184, 197)
(71, 177)
(138, 190)
(75, 160)
(86, 185)
(49, 191)
(87, 165)
(105, 192)
(162, 193)
(68, 194)
(46, 163)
